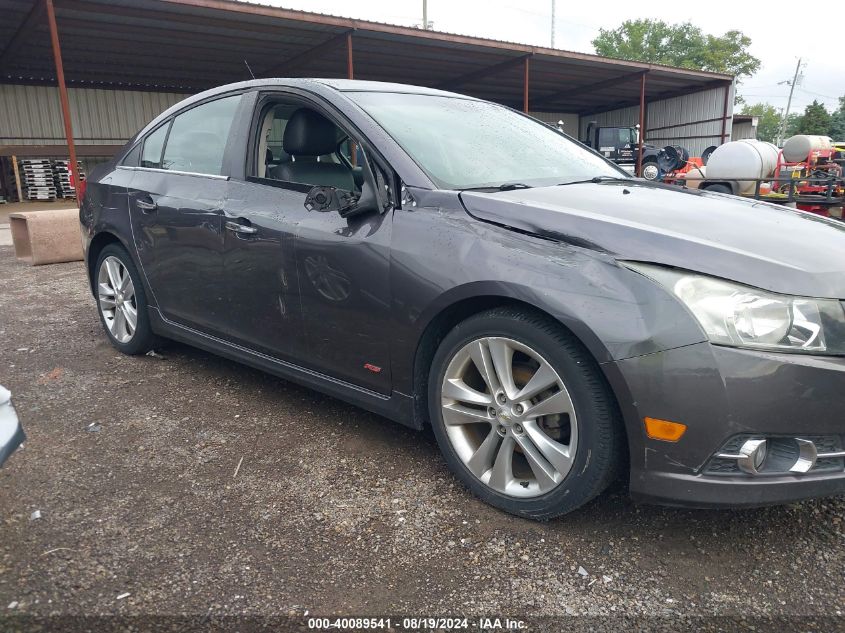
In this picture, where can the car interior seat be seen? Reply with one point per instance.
(308, 134)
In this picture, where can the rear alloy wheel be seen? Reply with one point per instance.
(121, 302)
(522, 414)
(118, 305)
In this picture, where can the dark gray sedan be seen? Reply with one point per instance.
(446, 261)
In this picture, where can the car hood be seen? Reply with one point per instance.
(751, 242)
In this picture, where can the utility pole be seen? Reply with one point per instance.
(553, 23)
(425, 14)
(792, 83)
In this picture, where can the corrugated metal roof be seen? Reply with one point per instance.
(190, 45)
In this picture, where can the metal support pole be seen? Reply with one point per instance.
(60, 78)
(525, 85)
(349, 68)
(725, 115)
(642, 127)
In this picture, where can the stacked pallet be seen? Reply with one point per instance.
(37, 177)
(62, 178)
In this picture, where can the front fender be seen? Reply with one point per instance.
(613, 311)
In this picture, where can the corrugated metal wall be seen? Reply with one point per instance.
(31, 115)
(674, 115)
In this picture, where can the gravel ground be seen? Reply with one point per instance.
(204, 487)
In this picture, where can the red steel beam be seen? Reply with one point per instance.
(350, 71)
(642, 126)
(525, 85)
(60, 77)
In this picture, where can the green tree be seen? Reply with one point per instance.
(682, 45)
(837, 122)
(815, 120)
(768, 121)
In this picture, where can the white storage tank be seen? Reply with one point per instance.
(738, 160)
(797, 148)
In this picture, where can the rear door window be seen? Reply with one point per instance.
(197, 139)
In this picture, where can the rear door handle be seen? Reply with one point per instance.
(147, 206)
(237, 227)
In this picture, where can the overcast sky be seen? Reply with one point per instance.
(778, 31)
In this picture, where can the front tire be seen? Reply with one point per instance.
(121, 302)
(523, 415)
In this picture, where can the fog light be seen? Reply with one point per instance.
(664, 430)
(752, 454)
(778, 455)
(807, 455)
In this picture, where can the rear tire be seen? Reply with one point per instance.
(122, 302)
(536, 455)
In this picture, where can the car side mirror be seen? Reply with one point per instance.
(325, 199)
(345, 203)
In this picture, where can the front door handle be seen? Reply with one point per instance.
(237, 227)
(147, 206)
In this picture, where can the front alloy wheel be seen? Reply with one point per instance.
(522, 413)
(509, 416)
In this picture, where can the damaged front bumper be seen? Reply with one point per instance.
(731, 400)
(11, 432)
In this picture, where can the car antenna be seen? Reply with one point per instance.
(249, 69)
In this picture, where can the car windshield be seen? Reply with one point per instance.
(468, 144)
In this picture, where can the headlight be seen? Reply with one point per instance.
(742, 316)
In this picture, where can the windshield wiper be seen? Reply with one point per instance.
(507, 186)
(595, 180)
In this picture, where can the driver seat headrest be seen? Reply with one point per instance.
(309, 133)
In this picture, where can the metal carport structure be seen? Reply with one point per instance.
(185, 46)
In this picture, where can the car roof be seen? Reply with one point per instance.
(358, 85)
(341, 85)
(321, 84)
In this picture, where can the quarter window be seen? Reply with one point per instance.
(198, 137)
(153, 144)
